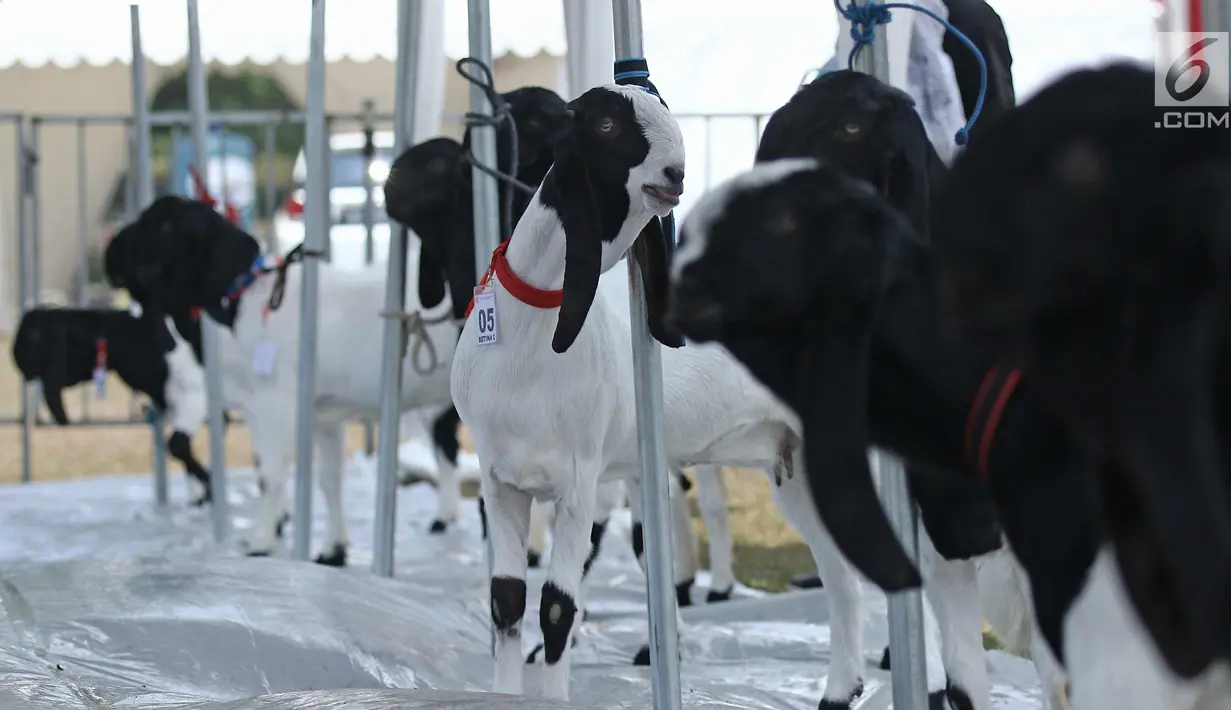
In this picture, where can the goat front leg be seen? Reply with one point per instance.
(448, 483)
(272, 472)
(682, 545)
(331, 441)
(558, 605)
(712, 501)
(507, 511)
(951, 587)
(842, 586)
(179, 445)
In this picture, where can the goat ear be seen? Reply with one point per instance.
(431, 279)
(1172, 461)
(910, 173)
(583, 247)
(651, 251)
(833, 382)
(55, 379)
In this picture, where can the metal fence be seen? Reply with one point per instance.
(728, 144)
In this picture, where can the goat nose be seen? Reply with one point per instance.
(674, 174)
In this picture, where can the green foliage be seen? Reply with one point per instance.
(245, 90)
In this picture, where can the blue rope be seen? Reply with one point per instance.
(865, 18)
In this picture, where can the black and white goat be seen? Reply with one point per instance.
(830, 296)
(549, 405)
(1090, 248)
(63, 347)
(429, 191)
(183, 255)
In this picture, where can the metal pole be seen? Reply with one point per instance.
(651, 449)
(410, 26)
(36, 218)
(28, 404)
(172, 186)
(316, 229)
(83, 241)
(369, 247)
(142, 173)
(909, 668)
(271, 185)
(198, 105)
(483, 145)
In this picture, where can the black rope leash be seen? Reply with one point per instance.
(297, 254)
(500, 118)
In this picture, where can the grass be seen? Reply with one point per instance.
(767, 552)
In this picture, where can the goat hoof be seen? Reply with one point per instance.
(585, 614)
(683, 593)
(281, 526)
(884, 664)
(832, 704)
(335, 558)
(201, 501)
(938, 700)
(257, 553)
(807, 581)
(716, 596)
(438, 526)
(532, 559)
(643, 656)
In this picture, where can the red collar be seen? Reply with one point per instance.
(195, 313)
(100, 353)
(989, 417)
(522, 291)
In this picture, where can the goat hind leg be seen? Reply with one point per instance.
(712, 502)
(448, 483)
(331, 440)
(179, 445)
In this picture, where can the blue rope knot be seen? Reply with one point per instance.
(865, 18)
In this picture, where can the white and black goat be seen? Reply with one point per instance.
(429, 191)
(63, 347)
(1082, 244)
(847, 327)
(549, 404)
(182, 255)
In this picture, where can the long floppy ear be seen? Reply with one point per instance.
(651, 252)
(1172, 464)
(833, 382)
(910, 173)
(55, 378)
(431, 279)
(583, 246)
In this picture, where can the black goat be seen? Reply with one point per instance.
(1085, 244)
(62, 347)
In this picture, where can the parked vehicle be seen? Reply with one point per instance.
(347, 234)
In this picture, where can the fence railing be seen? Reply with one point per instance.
(55, 169)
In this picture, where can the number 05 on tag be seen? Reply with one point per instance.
(485, 318)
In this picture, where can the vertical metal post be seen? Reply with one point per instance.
(36, 218)
(173, 187)
(651, 449)
(316, 234)
(483, 145)
(223, 134)
(271, 185)
(29, 406)
(141, 175)
(905, 608)
(198, 106)
(83, 244)
(409, 29)
(369, 246)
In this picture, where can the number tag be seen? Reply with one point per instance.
(485, 317)
(264, 357)
(100, 382)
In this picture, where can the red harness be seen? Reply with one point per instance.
(100, 354)
(522, 291)
(984, 419)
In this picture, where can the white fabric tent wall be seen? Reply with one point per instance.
(899, 36)
(590, 38)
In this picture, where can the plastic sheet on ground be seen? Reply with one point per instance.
(109, 602)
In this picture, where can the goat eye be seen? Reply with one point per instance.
(851, 128)
(606, 125)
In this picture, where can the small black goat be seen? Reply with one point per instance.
(1091, 248)
(62, 347)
